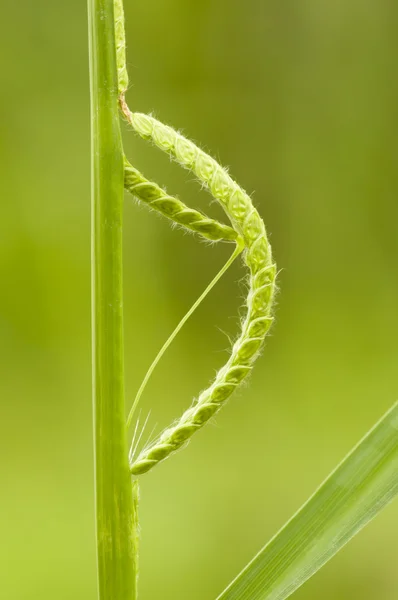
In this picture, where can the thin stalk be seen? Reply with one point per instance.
(238, 250)
(116, 513)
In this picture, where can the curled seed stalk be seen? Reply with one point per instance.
(257, 256)
(249, 232)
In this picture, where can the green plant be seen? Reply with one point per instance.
(250, 234)
(115, 505)
(359, 488)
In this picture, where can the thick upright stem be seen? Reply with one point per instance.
(115, 509)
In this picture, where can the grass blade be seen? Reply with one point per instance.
(360, 487)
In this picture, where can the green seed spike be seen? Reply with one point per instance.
(247, 231)
(122, 75)
(247, 222)
(175, 210)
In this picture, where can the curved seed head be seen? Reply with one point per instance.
(248, 229)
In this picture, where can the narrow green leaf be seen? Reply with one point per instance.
(360, 487)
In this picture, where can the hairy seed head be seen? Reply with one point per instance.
(247, 226)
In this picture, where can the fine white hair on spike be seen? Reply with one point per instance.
(132, 446)
(135, 444)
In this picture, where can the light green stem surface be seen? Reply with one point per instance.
(115, 507)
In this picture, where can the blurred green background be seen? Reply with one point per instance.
(299, 99)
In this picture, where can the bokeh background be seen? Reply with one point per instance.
(299, 99)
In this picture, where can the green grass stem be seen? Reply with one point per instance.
(116, 513)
